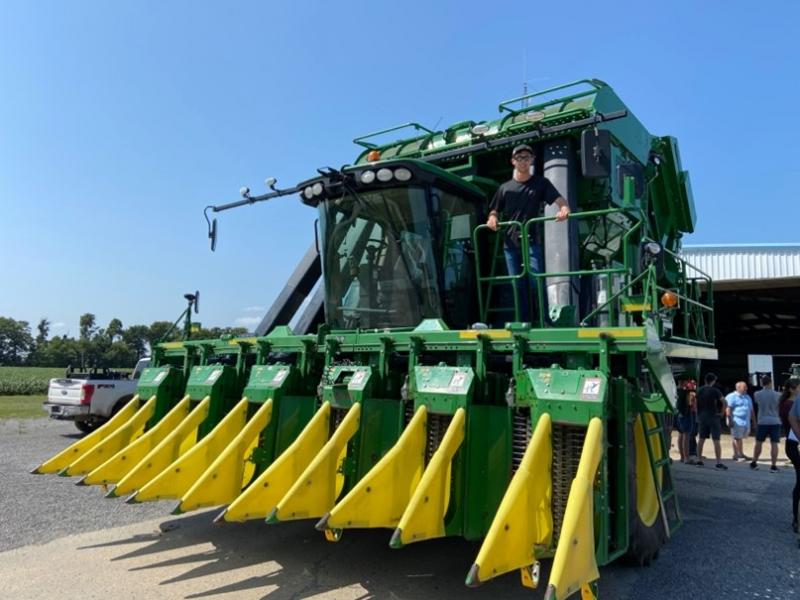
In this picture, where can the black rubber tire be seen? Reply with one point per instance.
(85, 426)
(120, 403)
(644, 541)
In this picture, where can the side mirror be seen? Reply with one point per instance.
(212, 235)
(596, 153)
(197, 302)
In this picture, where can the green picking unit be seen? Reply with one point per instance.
(413, 396)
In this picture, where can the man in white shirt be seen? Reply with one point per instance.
(740, 415)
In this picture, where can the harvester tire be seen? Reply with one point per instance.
(644, 541)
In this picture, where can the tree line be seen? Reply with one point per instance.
(111, 346)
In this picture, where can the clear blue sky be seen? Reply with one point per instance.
(120, 121)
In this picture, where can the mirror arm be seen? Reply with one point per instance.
(275, 193)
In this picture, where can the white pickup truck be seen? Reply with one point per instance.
(90, 399)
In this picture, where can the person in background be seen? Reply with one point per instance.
(741, 416)
(785, 405)
(790, 392)
(686, 406)
(769, 423)
(693, 457)
(709, 411)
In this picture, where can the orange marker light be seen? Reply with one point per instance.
(373, 155)
(669, 300)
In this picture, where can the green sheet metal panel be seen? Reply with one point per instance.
(381, 426)
(568, 395)
(288, 417)
(343, 385)
(264, 380)
(488, 472)
(166, 384)
(220, 382)
(442, 389)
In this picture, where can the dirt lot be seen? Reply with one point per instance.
(62, 541)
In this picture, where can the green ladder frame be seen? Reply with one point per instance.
(667, 496)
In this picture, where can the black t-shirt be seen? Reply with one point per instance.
(520, 201)
(709, 401)
(683, 402)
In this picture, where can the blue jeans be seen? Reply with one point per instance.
(513, 256)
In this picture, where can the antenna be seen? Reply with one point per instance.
(524, 76)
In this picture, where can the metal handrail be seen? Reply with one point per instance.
(503, 106)
(493, 278)
(616, 295)
(360, 140)
(526, 267)
(694, 316)
(626, 259)
(703, 309)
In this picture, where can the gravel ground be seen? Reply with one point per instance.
(735, 541)
(39, 508)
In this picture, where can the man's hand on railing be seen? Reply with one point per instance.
(491, 222)
(563, 212)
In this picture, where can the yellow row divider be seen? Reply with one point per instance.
(524, 519)
(108, 447)
(574, 564)
(261, 496)
(179, 460)
(380, 498)
(225, 478)
(74, 451)
(119, 465)
(423, 518)
(165, 453)
(315, 491)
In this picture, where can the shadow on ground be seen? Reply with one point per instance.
(300, 563)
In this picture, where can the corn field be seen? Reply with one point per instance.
(20, 381)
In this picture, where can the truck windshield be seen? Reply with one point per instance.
(378, 259)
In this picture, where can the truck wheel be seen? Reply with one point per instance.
(645, 522)
(85, 426)
(120, 403)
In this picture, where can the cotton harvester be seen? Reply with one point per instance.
(412, 396)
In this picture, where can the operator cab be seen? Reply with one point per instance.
(396, 244)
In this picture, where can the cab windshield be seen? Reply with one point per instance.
(395, 256)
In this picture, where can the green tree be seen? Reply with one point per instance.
(43, 329)
(88, 328)
(16, 341)
(40, 343)
(114, 329)
(88, 325)
(157, 331)
(136, 337)
(119, 354)
(213, 333)
(96, 349)
(60, 352)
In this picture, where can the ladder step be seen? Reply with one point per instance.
(657, 429)
(661, 462)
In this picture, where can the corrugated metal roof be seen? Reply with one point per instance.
(745, 261)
